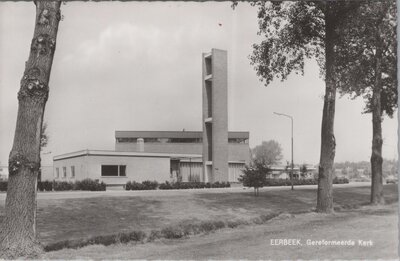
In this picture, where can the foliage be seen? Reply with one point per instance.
(45, 185)
(150, 185)
(292, 32)
(253, 177)
(63, 186)
(268, 153)
(3, 185)
(298, 182)
(371, 36)
(133, 185)
(90, 185)
(145, 185)
(86, 184)
(193, 185)
(337, 180)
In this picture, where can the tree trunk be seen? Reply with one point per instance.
(18, 230)
(328, 144)
(376, 156)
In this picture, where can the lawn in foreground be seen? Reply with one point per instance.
(368, 224)
(74, 218)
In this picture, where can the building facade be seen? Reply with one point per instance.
(210, 155)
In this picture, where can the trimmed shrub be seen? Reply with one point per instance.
(3, 185)
(62, 186)
(165, 185)
(150, 185)
(193, 185)
(89, 185)
(133, 185)
(337, 180)
(45, 185)
(172, 232)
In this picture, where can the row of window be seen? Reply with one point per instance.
(106, 171)
(178, 140)
(64, 172)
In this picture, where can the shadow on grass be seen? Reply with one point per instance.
(183, 230)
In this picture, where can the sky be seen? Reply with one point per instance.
(137, 66)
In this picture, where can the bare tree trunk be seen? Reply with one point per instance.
(376, 156)
(18, 230)
(328, 144)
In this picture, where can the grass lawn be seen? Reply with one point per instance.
(377, 225)
(72, 218)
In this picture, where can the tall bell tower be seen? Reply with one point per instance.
(215, 116)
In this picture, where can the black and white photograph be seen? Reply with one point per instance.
(199, 130)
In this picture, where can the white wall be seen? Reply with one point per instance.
(137, 168)
(80, 168)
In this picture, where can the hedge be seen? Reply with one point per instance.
(90, 185)
(145, 185)
(298, 182)
(152, 185)
(193, 185)
(86, 184)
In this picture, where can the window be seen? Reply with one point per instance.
(113, 170)
(72, 171)
(64, 172)
(57, 173)
(123, 140)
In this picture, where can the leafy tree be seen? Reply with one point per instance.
(294, 32)
(267, 154)
(254, 176)
(18, 229)
(303, 170)
(367, 67)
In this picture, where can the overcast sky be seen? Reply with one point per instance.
(137, 66)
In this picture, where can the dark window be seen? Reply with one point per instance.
(238, 140)
(123, 140)
(122, 170)
(113, 170)
(72, 171)
(109, 170)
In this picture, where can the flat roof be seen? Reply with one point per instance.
(112, 153)
(175, 134)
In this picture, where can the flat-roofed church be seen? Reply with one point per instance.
(211, 155)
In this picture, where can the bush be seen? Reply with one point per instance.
(133, 185)
(173, 232)
(3, 185)
(287, 182)
(62, 186)
(165, 185)
(89, 185)
(337, 180)
(145, 185)
(253, 177)
(193, 185)
(45, 185)
(150, 185)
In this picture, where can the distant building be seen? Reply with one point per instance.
(283, 172)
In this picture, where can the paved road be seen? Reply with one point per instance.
(119, 193)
